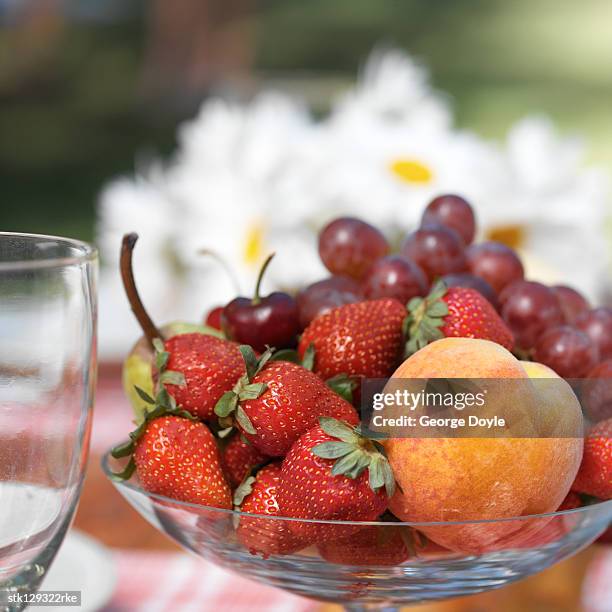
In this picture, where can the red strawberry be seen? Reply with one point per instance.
(333, 473)
(371, 546)
(571, 502)
(595, 473)
(456, 312)
(238, 457)
(258, 495)
(207, 367)
(277, 401)
(363, 339)
(176, 456)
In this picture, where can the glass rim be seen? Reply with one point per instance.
(415, 524)
(86, 253)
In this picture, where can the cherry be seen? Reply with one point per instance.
(213, 318)
(529, 308)
(567, 350)
(597, 323)
(324, 295)
(454, 212)
(497, 263)
(437, 249)
(395, 276)
(464, 279)
(350, 246)
(262, 321)
(572, 302)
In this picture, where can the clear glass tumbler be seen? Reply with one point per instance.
(47, 379)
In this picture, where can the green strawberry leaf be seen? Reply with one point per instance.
(164, 399)
(263, 360)
(123, 450)
(343, 385)
(244, 488)
(158, 345)
(332, 450)
(144, 396)
(286, 355)
(308, 361)
(388, 477)
(244, 421)
(438, 309)
(223, 433)
(363, 461)
(161, 360)
(227, 404)
(252, 391)
(126, 474)
(347, 464)
(250, 359)
(171, 377)
(338, 429)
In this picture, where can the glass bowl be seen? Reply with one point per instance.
(373, 565)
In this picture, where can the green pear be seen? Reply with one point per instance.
(137, 365)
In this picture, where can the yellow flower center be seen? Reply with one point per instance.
(513, 236)
(253, 244)
(411, 171)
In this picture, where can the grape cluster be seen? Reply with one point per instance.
(553, 325)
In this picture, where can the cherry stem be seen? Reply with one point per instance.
(127, 275)
(257, 299)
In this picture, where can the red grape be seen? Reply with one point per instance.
(529, 308)
(596, 394)
(437, 249)
(454, 212)
(597, 323)
(395, 276)
(350, 246)
(572, 302)
(498, 264)
(567, 350)
(324, 295)
(464, 279)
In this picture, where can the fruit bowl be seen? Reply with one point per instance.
(371, 565)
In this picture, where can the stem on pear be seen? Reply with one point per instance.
(257, 299)
(127, 275)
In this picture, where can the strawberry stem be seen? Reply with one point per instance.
(127, 275)
(256, 298)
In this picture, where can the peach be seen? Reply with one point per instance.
(485, 478)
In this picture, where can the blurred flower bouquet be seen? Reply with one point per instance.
(249, 180)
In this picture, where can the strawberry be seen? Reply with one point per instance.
(176, 456)
(275, 402)
(371, 546)
(334, 473)
(595, 473)
(457, 312)
(238, 457)
(197, 369)
(258, 495)
(363, 339)
(571, 502)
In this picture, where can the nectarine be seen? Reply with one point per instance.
(485, 478)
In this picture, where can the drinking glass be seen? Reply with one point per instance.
(47, 379)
